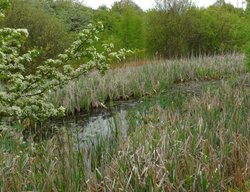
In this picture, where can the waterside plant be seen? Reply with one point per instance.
(145, 80)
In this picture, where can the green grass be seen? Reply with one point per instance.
(193, 136)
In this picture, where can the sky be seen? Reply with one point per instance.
(147, 4)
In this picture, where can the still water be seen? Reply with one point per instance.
(87, 129)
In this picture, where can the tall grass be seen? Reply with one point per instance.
(199, 144)
(144, 80)
(184, 142)
(191, 143)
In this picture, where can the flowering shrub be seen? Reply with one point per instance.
(24, 95)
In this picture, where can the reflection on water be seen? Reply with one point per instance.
(101, 125)
(87, 129)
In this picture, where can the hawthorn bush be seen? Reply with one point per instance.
(24, 95)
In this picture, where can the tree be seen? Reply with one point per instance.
(221, 28)
(25, 96)
(165, 31)
(74, 14)
(219, 3)
(46, 32)
(177, 6)
(128, 25)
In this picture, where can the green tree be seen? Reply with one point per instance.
(128, 24)
(175, 32)
(177, 6)
(214, 30)
(165, 29)
(46, 32)
(73, 13)
(105, 15)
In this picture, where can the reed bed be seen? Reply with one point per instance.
(183, 142)
(143, 80)
(195, 144)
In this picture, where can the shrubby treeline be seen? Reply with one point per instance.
(176, 32)
(174, 28)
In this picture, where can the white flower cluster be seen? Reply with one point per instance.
(24, 94)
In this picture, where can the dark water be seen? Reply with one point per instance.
(86, 128)
(89, 131)
(104, 122)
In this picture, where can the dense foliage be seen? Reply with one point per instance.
(179, 32)
(46, 33)
(174, 28)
